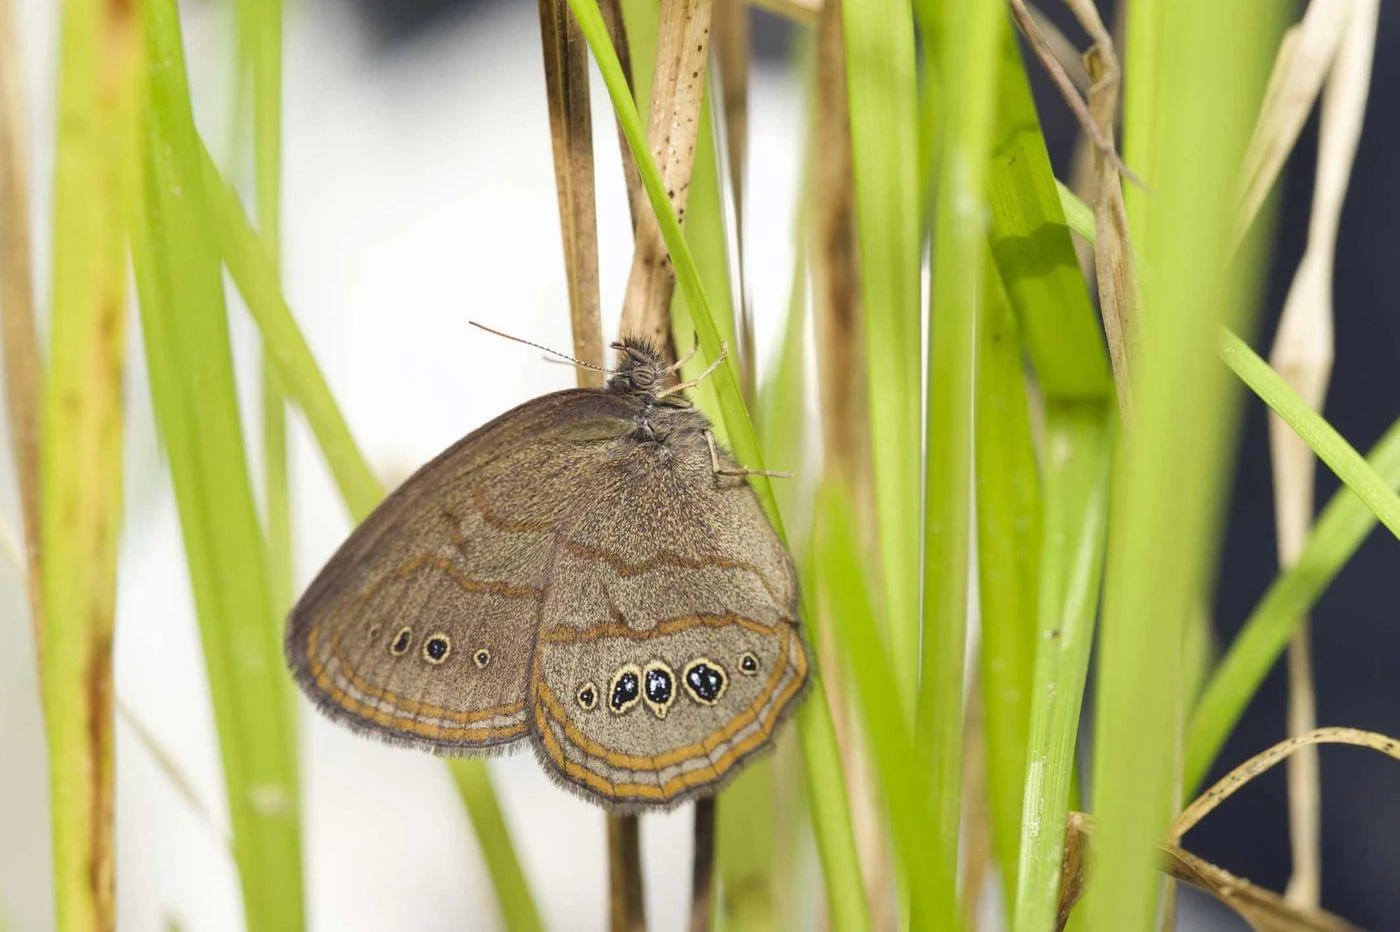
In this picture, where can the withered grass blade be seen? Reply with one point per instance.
(566, 86)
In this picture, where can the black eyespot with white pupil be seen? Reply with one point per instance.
(436, 648)
(625, 691)
(705, 681)
(401, 642)
(482, 657)
(659, 685)
(587, 696)
(748, 664)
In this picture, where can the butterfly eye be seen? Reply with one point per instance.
(705, 681)
(436, 649)
(748, 663)
(481, 658)
(401, 642)
(587, 696)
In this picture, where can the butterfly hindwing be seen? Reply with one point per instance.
(669, 648)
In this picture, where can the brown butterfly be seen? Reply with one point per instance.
(590, 572)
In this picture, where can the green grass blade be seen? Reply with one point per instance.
(80, 454)
(1140, 93)
(1035, 259)
(969, 67)
(260, 40)
(1340, 456)
(1169, 469)
(1033, 252)
(831, 816)
(1341, 528)
(883, 91)
(887, 727)
(1008, 547)
(1075, 524)
(192, 386)
(705, 233)
(255, 275)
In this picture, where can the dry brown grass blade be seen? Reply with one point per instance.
(806, 12)
(23, 364)
(1304, 58)
(617, 31)
(566, 86)
(836, 303)
(702, 878)
(1113, 252)
(1062, 48)
(1262, 909)
(626, 910)
(1303, 355)
(1045, 53)
(682, 47)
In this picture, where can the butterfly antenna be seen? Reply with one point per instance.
(682, 386)
(540, 346)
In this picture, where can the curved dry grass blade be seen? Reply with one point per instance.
(677, 89)
(1229, 784)
(1262, 909)
(566, 86)
(23, 363)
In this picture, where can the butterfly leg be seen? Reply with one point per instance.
(742, 471)
(680, 363)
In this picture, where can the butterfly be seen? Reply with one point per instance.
(589, 573)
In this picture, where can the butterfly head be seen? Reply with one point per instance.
(641, 369)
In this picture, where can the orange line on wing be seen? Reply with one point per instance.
(483, 586)
(403, 723)
(612, 629)
(625, 568)
(409, 706)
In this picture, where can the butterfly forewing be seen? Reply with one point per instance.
(421, 628)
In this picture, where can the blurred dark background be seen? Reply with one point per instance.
(1356, 640)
